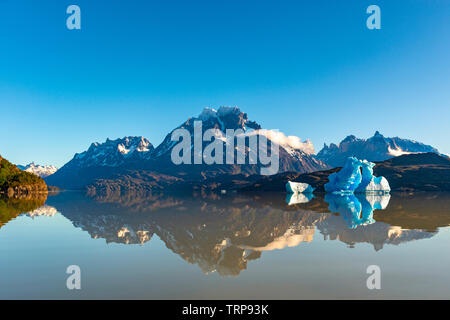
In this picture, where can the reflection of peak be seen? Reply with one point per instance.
(378, 234)
(113, 228)
(128, 235)
(45, 210)
(291, 238)
(397, 235)
(10, 208)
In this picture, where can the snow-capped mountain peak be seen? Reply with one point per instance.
(227, 118)
(113, 153)
(39, 170)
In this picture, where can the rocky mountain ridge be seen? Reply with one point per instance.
(375, 148)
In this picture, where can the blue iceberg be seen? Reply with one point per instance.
(347, 179)
(356, 177)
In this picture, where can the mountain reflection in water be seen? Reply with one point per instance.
(223, 232)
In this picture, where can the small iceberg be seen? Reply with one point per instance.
(356, 177)
(298, 187)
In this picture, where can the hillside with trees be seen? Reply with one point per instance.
(17, 183)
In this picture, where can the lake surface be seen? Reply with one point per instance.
(228, 246)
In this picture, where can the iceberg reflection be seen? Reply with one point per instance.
(357, 209)
(297, 198)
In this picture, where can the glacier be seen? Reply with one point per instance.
(356, 177)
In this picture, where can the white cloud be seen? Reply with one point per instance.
(292, 142)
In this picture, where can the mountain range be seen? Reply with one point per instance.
(133, 162)
(376, 148)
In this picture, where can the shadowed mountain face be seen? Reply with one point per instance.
(224, 233)
(101, 160)
(376, 148)
(133, 164)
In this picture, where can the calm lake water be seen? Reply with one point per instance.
(229, 246)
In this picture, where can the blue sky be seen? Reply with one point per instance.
(308, 68)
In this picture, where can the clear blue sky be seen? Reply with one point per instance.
(308, 68)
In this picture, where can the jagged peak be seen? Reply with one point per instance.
(228, 117)
(377, 134)
(225, 110)
(349, 138)
(128, 140)
(39, 170)
(333, 146)
(209, 112)
(106, 153)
